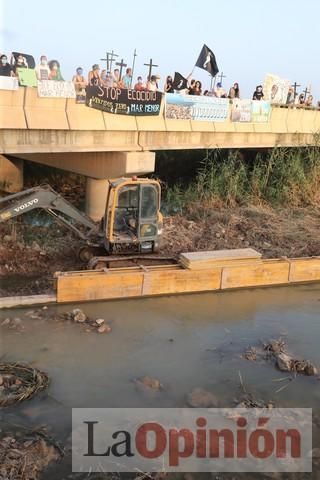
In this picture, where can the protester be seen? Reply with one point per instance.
(20, 62)
(80, 85)
(301, 99)
(94, 78)
(219, 91)
(309, 101)
(290, 96)
(152, 85)
(5, 67)
(139, 86)
(234, 91)
(191, 86)
(127, 78)
(116, 78)
(168, 86)
(42, 69)
(103, 76)
(55, 73)
(258, 93)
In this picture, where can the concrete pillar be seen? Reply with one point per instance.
(96, 197)
(11, 174)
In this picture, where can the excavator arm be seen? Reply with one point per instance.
(46, 198)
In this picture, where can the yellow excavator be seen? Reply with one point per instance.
(132, 223)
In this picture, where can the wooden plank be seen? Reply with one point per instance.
(181, 281)
(304, 269)
(20, 301)
(219, 258)
(103, 286)
(269, 272)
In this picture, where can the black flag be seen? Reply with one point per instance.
(207, 61)
(179, 82)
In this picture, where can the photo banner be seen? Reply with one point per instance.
(276, 89)
(241, 110)
(192, 107)
(260, 111)
(52, 88)
(9, 83)
(124, 101)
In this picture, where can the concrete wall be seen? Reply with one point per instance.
(29, 124)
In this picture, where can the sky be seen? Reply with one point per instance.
(249, 38)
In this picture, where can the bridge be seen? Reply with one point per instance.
(61, 133)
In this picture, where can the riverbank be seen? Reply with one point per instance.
(31, 254)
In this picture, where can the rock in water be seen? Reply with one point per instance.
(100, 321)
(79, 315)
(284, 362)
(149, 382)
(104, 329)
(200, 398)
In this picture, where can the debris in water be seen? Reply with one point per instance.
(149, 382)
(200, 398)
(19, 382)
(276, 351)
(13, 324)
(104, 329)
(79, 315)
(26, 456)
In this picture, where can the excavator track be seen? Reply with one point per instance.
(97, 263)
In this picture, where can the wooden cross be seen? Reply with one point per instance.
(306, 92)
(110, 59)
(121, 65)
(150, 65)
(295, 85)
(221, 76)
(133, 64)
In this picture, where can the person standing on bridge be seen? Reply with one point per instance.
(94, 79)
(5, 67)
(127, 78)
(80, 85)
(258, 93)
(234, 91)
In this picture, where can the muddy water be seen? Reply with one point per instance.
(184, 341)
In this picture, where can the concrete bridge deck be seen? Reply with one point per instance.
(61, 133)
(30, 124)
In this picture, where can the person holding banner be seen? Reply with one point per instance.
(234, 91)
(42, 69)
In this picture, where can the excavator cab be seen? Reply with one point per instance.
(132, 220)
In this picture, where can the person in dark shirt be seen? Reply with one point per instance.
(20, 62)
(5, 67)
(258, 93)
(168, 87)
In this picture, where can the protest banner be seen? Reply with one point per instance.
(27, 77)
(52, 88)
(260, 111)
(190, 107)
(276, 89)
(9, 83)
(124, 101)
(241, 110)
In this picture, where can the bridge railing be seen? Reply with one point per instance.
(24, 109)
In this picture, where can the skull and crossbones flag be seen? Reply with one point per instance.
(207, 61)
(179, 82)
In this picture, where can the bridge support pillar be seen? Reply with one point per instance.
(11, 174)
(96, 197)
